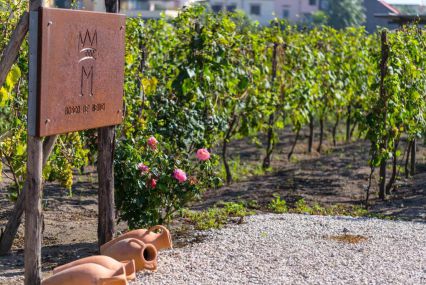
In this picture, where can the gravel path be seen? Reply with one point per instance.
(299, 249)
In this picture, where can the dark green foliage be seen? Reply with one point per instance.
(203, 79)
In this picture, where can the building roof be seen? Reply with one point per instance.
(403, 19)
(406, 2)
(389, 6)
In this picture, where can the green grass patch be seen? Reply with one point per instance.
(223, 212)
(278, 205)
(216, 217)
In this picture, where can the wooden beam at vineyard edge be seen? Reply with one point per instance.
(15, 218)
(11, 51)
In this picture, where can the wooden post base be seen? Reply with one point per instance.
(33, 235)
(106, 213)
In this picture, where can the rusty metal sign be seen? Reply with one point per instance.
(80, 71)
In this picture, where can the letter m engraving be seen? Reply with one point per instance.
(86, 81)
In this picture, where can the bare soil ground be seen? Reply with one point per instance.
(338, 175)
(70, 224)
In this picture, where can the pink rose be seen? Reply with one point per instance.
(152, 142)
(203, 154)
(153, 183)
(180, 175)
(143, 168)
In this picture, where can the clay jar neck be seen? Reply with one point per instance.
(129, 267)
(148, 253)
(119, 278)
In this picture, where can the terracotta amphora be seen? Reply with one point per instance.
(161, 240)
(105, 261)
(88, 274)
(144, 255)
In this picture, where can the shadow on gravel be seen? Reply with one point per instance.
(408, 203)
(12, 264)
(186, 237)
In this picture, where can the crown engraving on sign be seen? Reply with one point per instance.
(88, 40)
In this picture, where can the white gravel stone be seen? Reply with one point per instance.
(296, 249)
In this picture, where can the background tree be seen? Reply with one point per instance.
(345, 13)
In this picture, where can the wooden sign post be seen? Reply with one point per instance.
(106, 137)
(76, 76)
(33, 234)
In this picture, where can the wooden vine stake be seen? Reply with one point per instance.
(413, 158)
(90, 97)
(270, 139)
(383, 97)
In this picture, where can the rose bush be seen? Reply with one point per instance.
(153, 183)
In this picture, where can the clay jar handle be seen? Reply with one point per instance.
(157, 227)
(139, 242)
